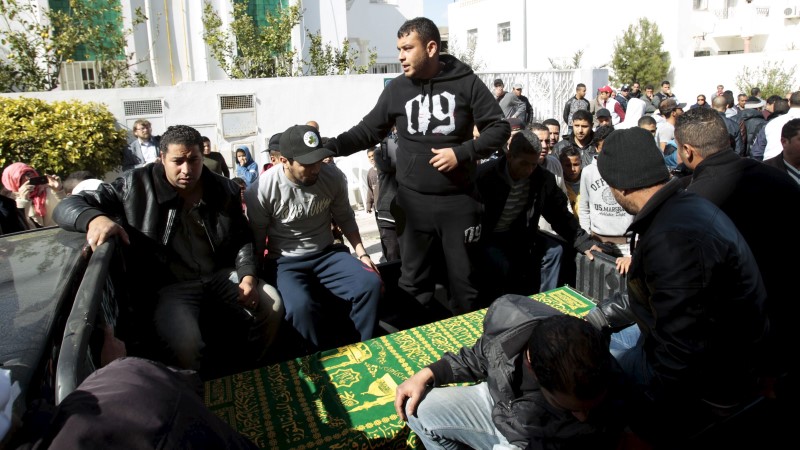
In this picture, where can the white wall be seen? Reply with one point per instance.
(552, 30)
(559, 29)
(377, 23)
(701, 75)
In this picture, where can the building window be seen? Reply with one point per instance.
(472, 38)
(504, 32)
(87, 76)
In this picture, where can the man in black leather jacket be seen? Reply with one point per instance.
(695, 293)
(190, 245)
(546, 381)
(510, 227)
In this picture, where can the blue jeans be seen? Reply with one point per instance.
(457, 417)
(627, 347)
(177, 314)
(343, 276)
(552, 253)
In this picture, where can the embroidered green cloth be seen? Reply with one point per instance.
(344, 398)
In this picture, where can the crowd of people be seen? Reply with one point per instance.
(464, 180)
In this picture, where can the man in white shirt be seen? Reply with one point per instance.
(665, 131)
(143, 149)
(773, 128)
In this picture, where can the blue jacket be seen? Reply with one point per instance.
(249, 171)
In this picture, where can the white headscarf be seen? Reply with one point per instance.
(87, 185)
(635, 111)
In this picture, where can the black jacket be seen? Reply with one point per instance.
(757, 197)
(587, 153)
(146, 205)
(777, 162)
(436, 113)
(697, 296)
(495, 359)
(544, 199)
(528, 109)
(753, 121)
(385, 162)
(734, 134)
(11, 220)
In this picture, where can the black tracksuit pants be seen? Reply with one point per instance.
(440, 224)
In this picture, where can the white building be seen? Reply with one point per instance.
(171, 49)
(703, 37)
(174, 36)
(374, 24)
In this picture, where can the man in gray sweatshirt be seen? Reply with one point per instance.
(293, 204)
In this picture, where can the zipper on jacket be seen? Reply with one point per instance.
(168, 229)
(208, 236)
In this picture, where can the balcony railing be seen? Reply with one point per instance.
(730, 13)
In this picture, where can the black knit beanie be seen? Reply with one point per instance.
(631, 160)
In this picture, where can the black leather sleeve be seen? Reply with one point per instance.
(612, 314)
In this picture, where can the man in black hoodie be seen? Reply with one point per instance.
(434, 104)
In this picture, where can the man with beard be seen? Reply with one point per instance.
(293, 205)
(142, 150)
(581, 137)
(435, 105)
(695, 295)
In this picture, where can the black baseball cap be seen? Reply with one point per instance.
(603, 112)
(275, 142)
(498, 82)
(303, 144)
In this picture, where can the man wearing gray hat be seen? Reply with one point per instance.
(293, 205)
(694, 292)
(516, 89)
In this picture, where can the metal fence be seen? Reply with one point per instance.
(547, 91)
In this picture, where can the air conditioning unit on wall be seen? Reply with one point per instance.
(791, 12)
(238, 115)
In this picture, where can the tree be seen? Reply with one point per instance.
(638, 55)
(252, 51)
(329, 60)
(771, 77)
(40, 42)
(115, 68)
(249, 51)
(7, 77)
(574, 64)
(468, 55)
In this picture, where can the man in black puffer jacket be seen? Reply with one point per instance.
(547, 381)
(190, 245)
(752, 120)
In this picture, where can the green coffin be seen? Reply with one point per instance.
(344, 398)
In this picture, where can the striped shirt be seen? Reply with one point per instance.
(515, 202)
(794, 173)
